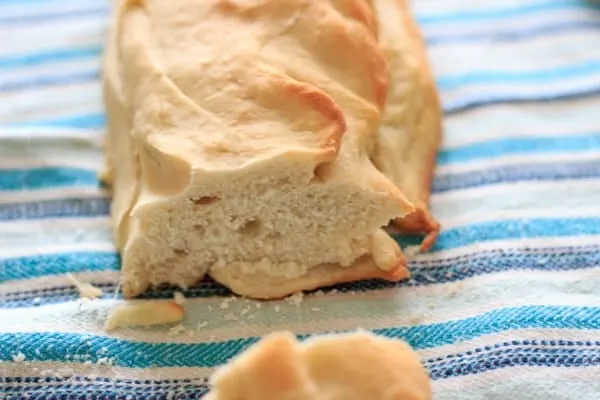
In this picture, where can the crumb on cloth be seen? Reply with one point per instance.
(144, 313)
(86, 290)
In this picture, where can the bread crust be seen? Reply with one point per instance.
(411, 129)
(348, 366)
(304, 94)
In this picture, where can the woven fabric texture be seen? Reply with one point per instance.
(506, 306)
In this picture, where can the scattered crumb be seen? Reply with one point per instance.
(412, 251)
(202, 325)
(225, 304)
(245, 311)
(86, 290)
(316, 309)
(230, 316)
(333, 291)
(319, 293)
(277, 308)
(179, 298)
(144, 313)
(258, 305)
(19, 357)
(177, 329)
(296, 299)
(210, 308)
(252, 316)
(105, 361)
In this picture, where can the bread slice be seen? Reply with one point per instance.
(243, 139)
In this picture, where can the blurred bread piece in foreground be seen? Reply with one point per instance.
(355, 366)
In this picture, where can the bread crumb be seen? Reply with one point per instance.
(225, 304)
(316, 309)
(244, 311)
(144, 313)
(412, 251)
(230, 316)
(277, 308)
(176, 330)
(179, 298)
(296, 299)
(105, 361)
(19, 357)
(86, 290)
(202, 325)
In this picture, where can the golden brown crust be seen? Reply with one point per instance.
(263, 286)
(291, 85)
(411, 130)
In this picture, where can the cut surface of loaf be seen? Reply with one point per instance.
(349, 366)
(244, 143)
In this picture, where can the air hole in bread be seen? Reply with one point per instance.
(199, 229)
(319, 174)
(180, 252)
(250, 228)
(274, 235)
(205, 200)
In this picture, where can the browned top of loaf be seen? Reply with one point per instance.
(238, 81)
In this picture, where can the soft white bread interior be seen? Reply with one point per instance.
(244, 142)
(354, 366)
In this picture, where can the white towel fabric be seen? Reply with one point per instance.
(506, 306)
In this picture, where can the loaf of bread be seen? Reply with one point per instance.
(267, 143)
(354, 366)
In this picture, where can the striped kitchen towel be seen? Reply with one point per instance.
(506, 306)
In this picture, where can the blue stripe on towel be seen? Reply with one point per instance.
(49, 346)
(35, 266)
(423, 273)
(56, 177)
